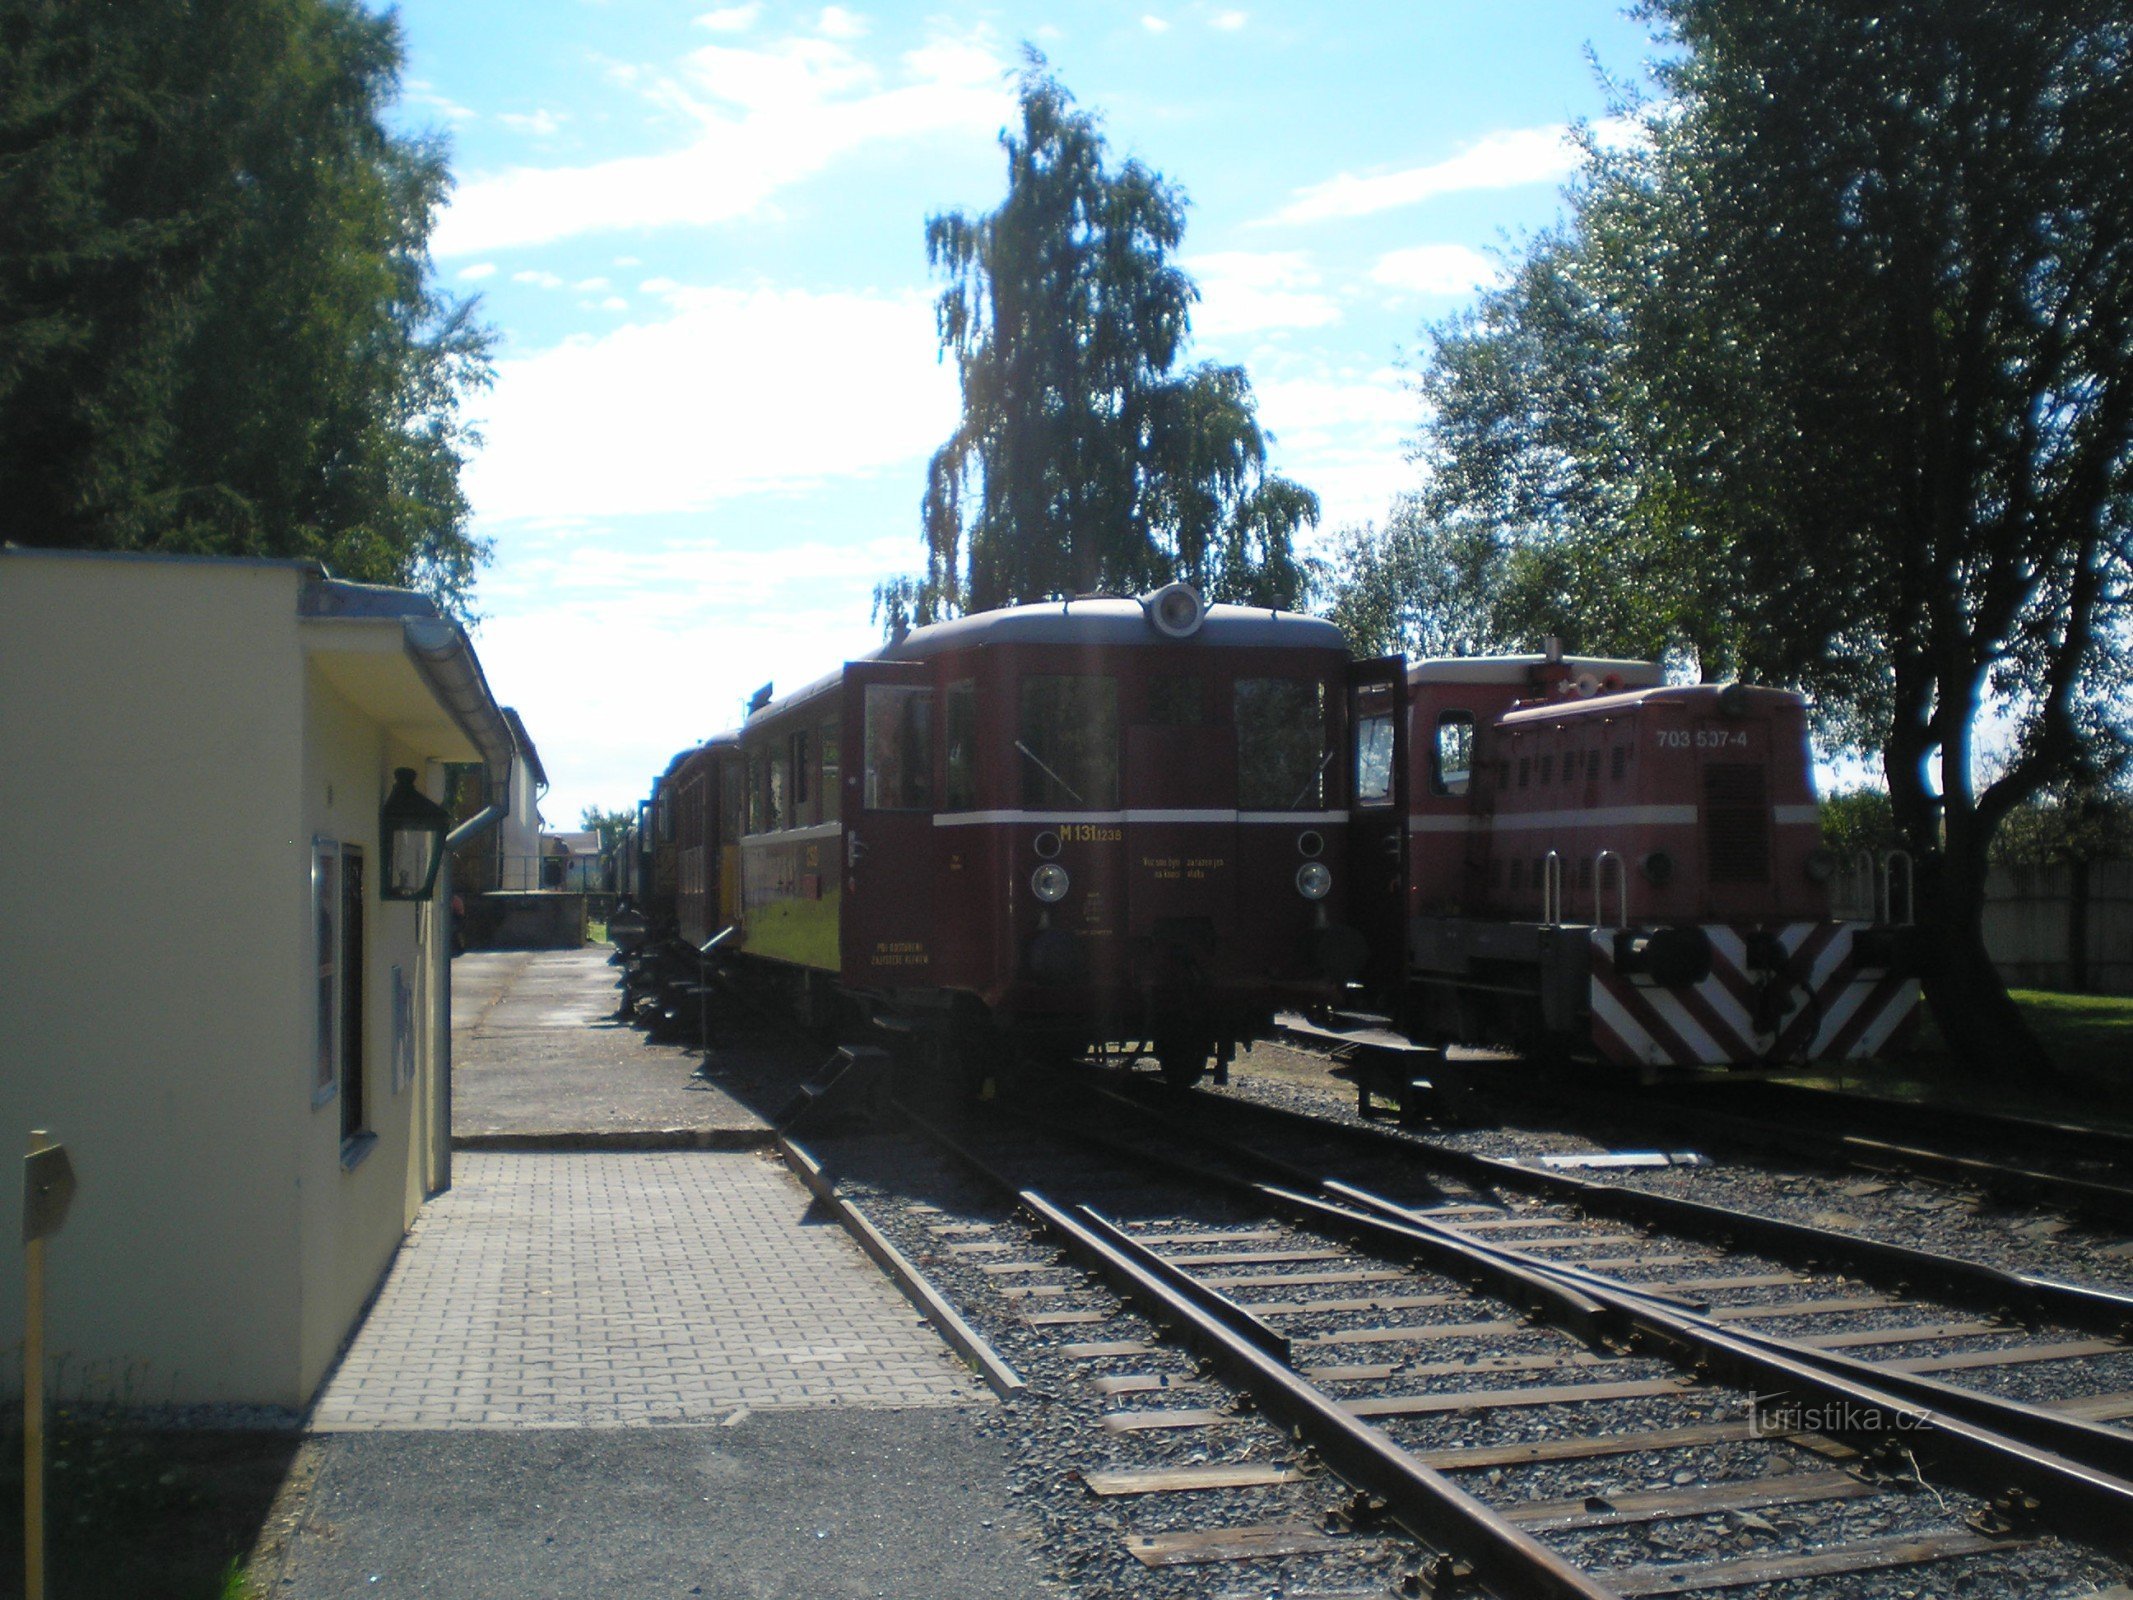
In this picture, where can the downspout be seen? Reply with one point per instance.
(441, 653)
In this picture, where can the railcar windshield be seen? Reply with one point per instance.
(1281, 744)
(1067, 739)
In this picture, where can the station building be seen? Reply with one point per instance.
(244, 1046)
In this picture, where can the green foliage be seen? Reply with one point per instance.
(1083, 462)
(609, 825)
(218, 332)
(2069, 824)
(1859, 819)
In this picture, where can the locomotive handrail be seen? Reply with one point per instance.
(1889, 859)
(1552, 889)
(1599, 887)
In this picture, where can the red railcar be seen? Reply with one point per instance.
(1600, 863)
(1098, 821)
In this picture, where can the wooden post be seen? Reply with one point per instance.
(33, 1407)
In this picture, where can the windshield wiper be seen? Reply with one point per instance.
(1306, 789)
(1049, 773)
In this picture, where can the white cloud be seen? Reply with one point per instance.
(614, 302)
(538, 123)
(1227, 21)
(1155, 24)
(838, 23)
(628, 261)
(764, 119)
(1434, 269)
(1498, 161)
(540, 280)
(1244, 291)
(657, 286)
(735, 392)
(730, 19)
(587, 285)
(422, 93)
(1344, 434)
(480, 269)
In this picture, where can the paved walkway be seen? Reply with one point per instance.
(619, 1290)
(537, 1052)
(617, 1373)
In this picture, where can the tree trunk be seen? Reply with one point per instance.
(1984, 1029)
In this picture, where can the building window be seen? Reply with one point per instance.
(353, 1112)
(337, 938)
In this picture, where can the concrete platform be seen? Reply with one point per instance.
(538, 1060)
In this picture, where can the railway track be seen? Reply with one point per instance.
(1397, 1374)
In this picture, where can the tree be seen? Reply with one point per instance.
(1082, 462)
(218, 331)
(1840, 360)
(611, 826)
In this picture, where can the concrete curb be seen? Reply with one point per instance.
(759, 1137)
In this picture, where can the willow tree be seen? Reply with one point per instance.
(1085, 461)
(1839, 364)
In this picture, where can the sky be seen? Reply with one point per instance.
(699, 236)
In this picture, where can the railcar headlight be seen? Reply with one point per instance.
(1659, 867)
(1314, 880)
(1049, 883)
(1821, 865)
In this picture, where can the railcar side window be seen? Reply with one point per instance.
(777, 795)
(1177, 702)
(1452, 761)
(962, 735)
(1281, 744)
(832, 790)
(757, 783)
(732, 798)
(799, 779)
(1067, 742)
(899, 756)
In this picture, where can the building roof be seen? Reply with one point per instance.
(523, 741)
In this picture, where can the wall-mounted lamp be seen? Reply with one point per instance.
(411, 829)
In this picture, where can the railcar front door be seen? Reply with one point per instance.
(891, 736)
(1377, 816)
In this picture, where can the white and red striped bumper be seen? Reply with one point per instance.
(1826, 1006)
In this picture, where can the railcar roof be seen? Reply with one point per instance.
(1664, 694)
(1116, 622)
(1112, 622)
(1519, 669)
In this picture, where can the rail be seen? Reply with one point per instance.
(1599, 888)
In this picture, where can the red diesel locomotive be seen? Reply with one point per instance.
(1597, 863)
(1084, 823)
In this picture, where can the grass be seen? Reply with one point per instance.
(2089, 1036)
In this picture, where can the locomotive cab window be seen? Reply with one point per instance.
(899, 753)
(1281, 744)
(1067, 742)
(961, 732)
(1451, 759)
(1373, 746)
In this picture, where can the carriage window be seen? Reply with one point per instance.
(732, 795)
(1281, 744)
(756, 785)
(961, 710)
(1452, 761)
(832, 793)
(799, 778)
(899, 756)
(777, 795)
(1176, 702)
(1068, 742)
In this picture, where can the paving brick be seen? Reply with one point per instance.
(627, 1290)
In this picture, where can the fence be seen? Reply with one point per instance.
(572, 874)
(2068, 926)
